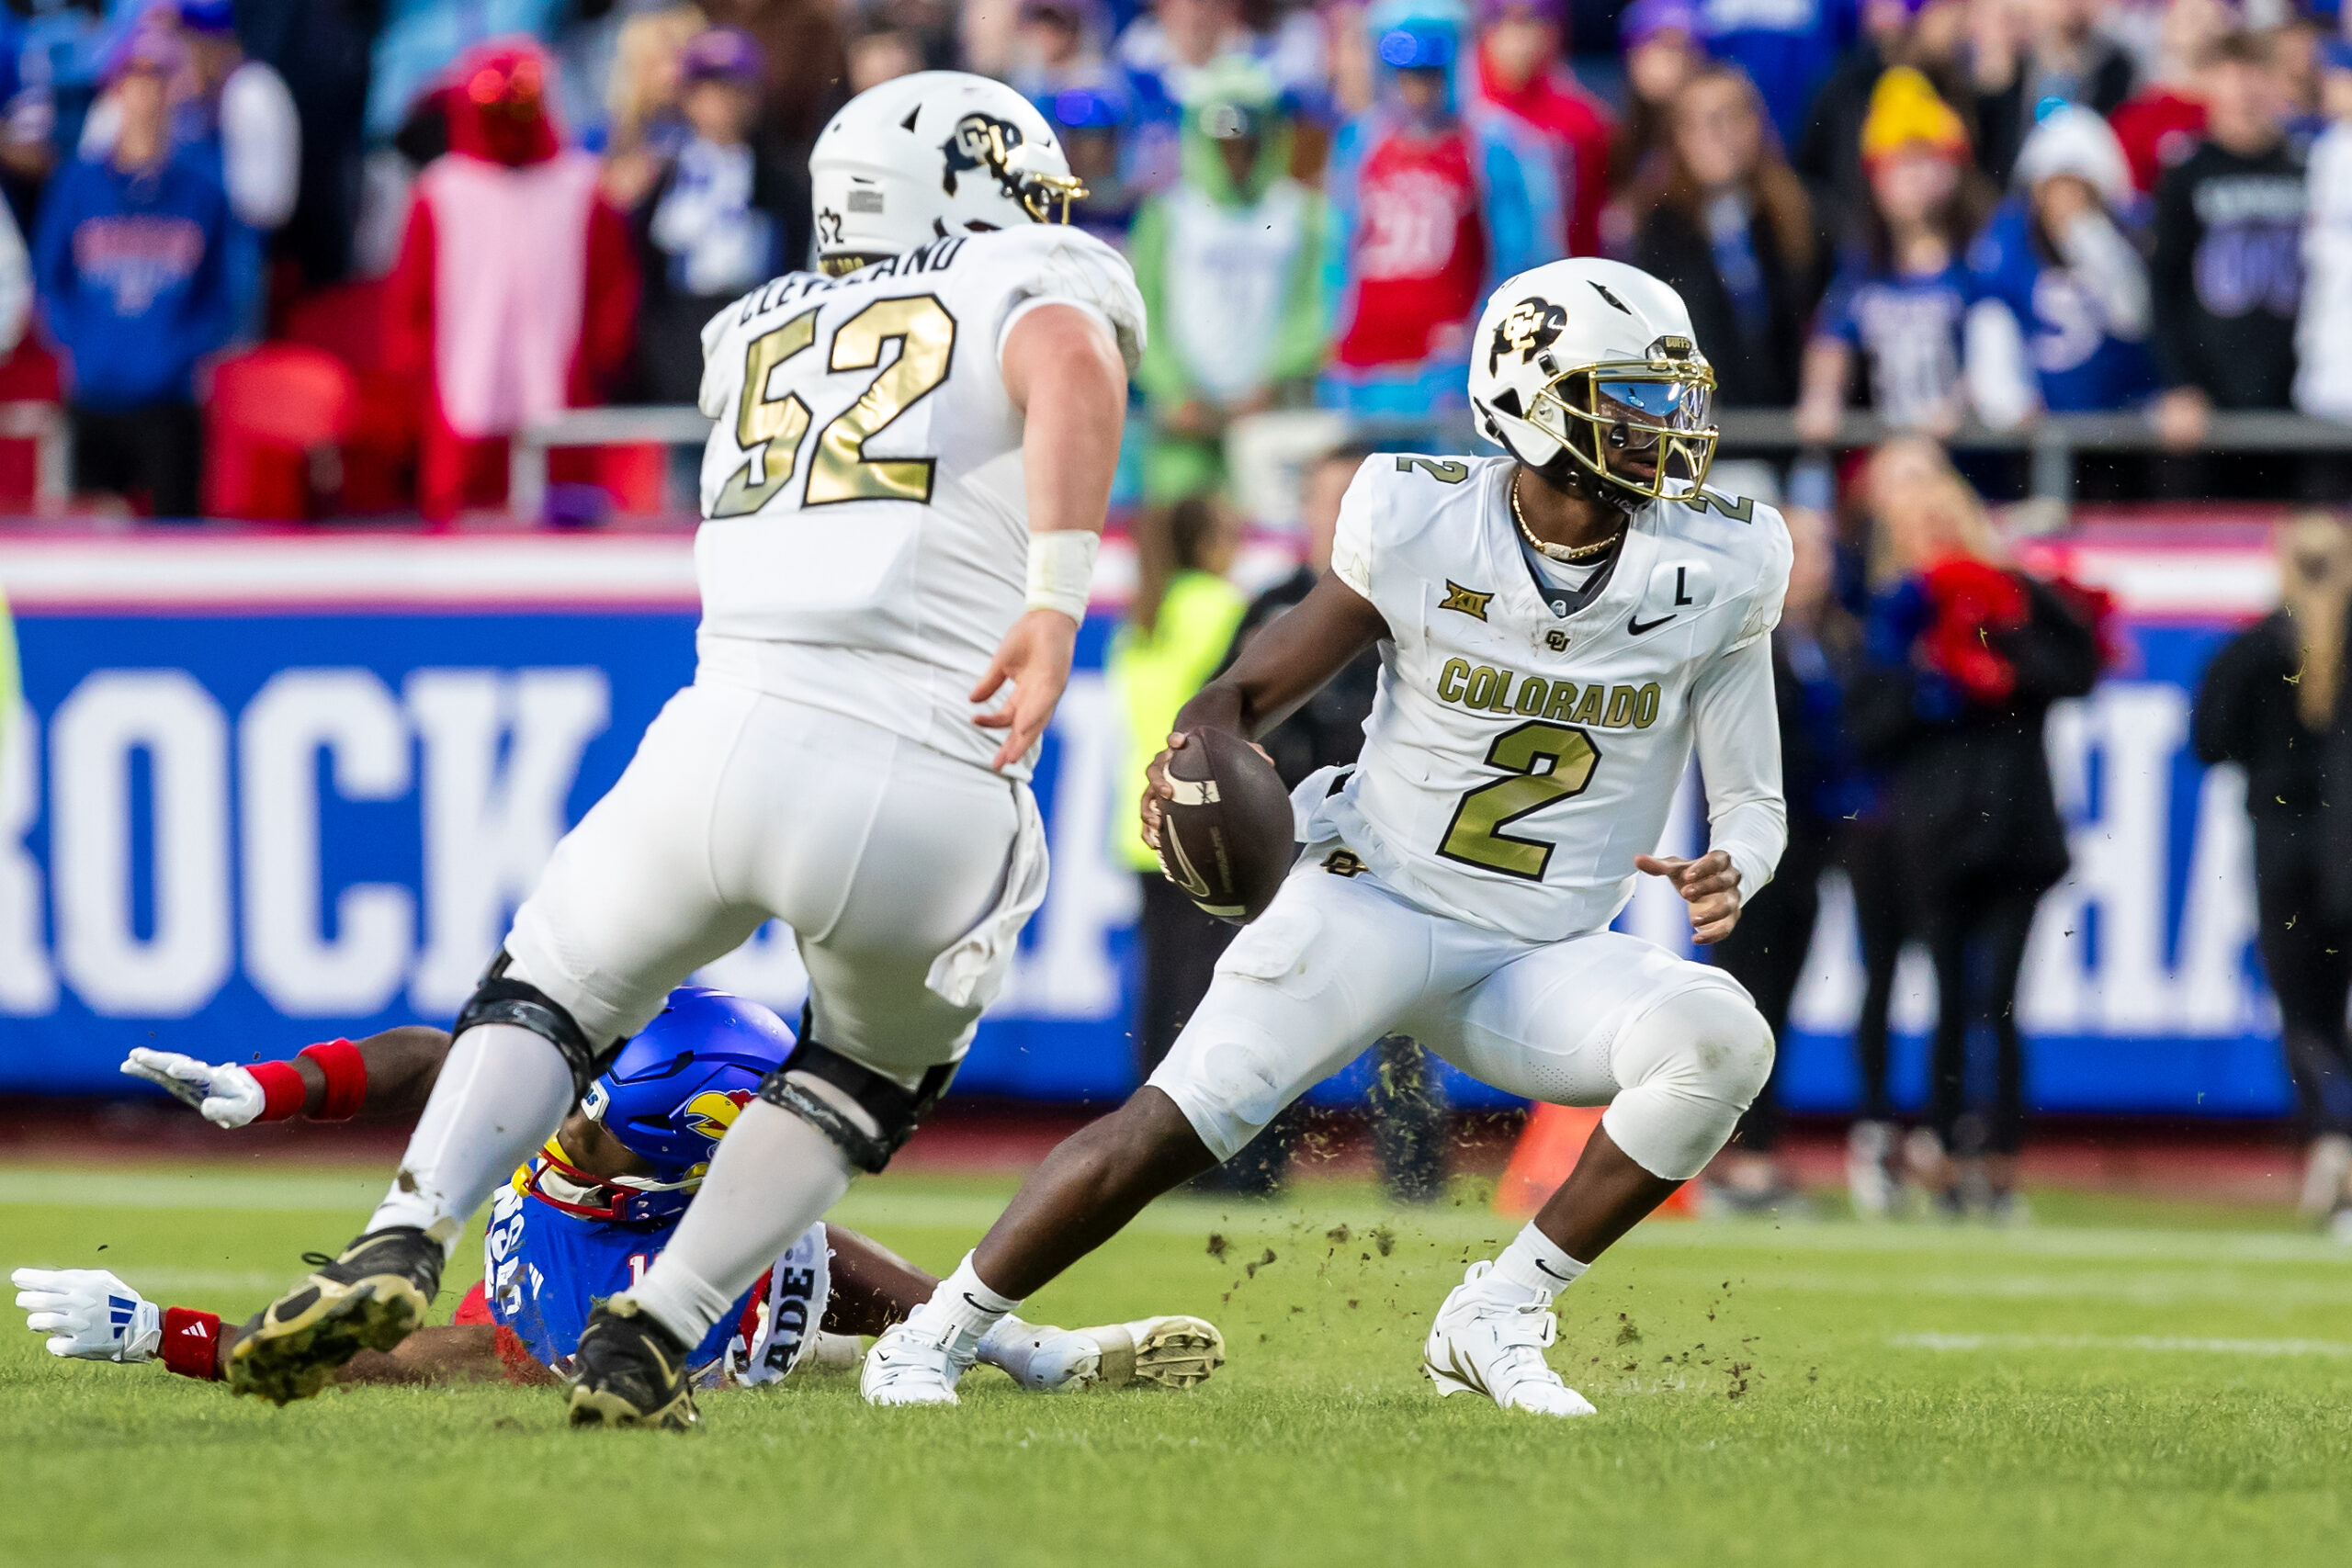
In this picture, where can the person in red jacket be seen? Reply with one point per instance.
(1521, 72)
(2163, 122)
(516, 291)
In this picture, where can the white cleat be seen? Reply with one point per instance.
(1480, 1345)
(918, 1361)
(1166, 1352)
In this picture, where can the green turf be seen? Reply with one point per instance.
(2120, 1384)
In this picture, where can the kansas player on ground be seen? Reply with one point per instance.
(583, 1220)
(896, 436)
(1557, 629)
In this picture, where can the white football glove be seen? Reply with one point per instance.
(226, 1094)
(89, 1313)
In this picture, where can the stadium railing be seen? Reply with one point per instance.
(2053, 439)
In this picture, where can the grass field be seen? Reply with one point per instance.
(2121, 1383)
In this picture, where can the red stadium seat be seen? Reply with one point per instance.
(274, 411)
(27, 376)
(379, 454)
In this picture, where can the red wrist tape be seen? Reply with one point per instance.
(346, 1075)
(192, 1343)
(282, 1091)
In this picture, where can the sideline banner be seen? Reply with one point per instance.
(275, 789)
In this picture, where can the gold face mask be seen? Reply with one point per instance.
(1622, 415)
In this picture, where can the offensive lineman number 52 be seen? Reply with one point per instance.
(769, 429)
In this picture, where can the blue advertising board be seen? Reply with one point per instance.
(272, 792)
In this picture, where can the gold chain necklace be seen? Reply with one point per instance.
(1557, 552)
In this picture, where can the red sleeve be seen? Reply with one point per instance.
(608, 325)
(408, 297)
(520, 1364)
(1589, 141)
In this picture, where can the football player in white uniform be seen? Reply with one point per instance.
(895, 434)
(1557, 630)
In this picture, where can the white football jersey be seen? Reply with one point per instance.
(1518, 760)
(865, 533)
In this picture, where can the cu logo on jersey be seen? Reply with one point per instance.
(980, 141)
(1533, 326)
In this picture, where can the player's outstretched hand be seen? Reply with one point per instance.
(226, 1094)
(88, 1314)
(1034, 655)
(1709, 885)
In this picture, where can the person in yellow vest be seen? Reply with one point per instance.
(1174, 638)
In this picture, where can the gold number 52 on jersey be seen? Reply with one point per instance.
(769, 428)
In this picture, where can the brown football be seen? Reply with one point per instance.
(1225, 839)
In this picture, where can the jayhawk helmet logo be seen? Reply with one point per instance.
(711, 1113)
(980, 141)
(1533, 325)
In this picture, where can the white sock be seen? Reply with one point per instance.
(1531, 1265)
(773, 1178)
(967, 1303)
(502, 1092)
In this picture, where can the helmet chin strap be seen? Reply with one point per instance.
(1568, 476)
(1565, 474)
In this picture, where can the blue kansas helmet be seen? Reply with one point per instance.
(668, 1098)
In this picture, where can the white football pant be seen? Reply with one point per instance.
(1675, 1049)
(879, 852)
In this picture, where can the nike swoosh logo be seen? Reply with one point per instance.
(1555, 1273)
(1635, 625)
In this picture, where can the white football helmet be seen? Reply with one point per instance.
(1595, 359)
(922, 157)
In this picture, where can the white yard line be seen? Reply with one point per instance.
(2161, 1344)
(886, 1205)
(306, 1193)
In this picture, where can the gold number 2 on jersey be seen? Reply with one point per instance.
(769, 429)
(1548, 762)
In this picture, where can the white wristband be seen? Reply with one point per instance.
(1061, 570)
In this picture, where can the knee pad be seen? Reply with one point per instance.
(503, 999)
(1687, 1069)
(895, 1111)
(1711, 1041)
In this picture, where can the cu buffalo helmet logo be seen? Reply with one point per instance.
(980, 142)
(1533, 326)
(711, 1113)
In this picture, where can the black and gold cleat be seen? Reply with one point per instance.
(630, 1372)
(368, 1299)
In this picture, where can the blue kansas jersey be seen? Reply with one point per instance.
(2078, 361)
(544, 1270)
(1907, 328)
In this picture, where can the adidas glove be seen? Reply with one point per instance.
(228, 1095)
(89, 1314)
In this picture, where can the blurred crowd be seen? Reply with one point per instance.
(1939, 211)
(290, 258)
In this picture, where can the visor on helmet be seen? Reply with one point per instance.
(1596, 410)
